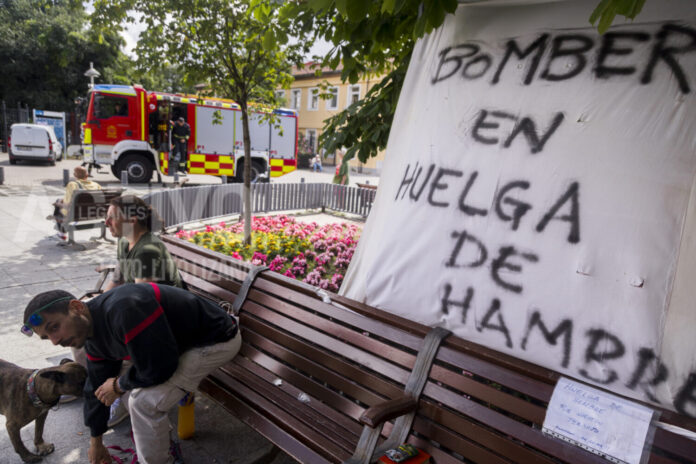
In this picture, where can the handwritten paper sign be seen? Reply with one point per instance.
(597, 421)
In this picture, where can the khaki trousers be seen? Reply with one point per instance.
(149, 407)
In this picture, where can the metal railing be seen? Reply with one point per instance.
(179, 206)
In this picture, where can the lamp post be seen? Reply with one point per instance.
(91, 73)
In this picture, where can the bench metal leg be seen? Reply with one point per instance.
(366, 450)
(102, 236)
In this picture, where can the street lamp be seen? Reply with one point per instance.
(91, 73)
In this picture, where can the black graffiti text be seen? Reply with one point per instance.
(555, 58)
(444, 187)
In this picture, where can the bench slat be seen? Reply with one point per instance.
(508, 426)
(328, 449)
(469, 449)
(316, 389)
(674, 444)
(348, 423)
(475, 433)
(299, 410)
(341, 375)
(220, 393)
(336, 346)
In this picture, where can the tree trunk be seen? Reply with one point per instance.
(246, 198)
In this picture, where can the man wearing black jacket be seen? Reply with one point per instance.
(173, 338)
(181, 132)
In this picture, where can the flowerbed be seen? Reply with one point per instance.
(318, 255)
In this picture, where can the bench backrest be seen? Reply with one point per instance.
(478, 405)
(91, 204)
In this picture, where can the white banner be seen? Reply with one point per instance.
(537, 194)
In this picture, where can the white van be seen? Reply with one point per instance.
(34, 142)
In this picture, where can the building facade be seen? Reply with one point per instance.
(303, 96)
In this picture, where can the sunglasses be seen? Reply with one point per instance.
(36, 320)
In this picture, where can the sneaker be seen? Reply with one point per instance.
(67, 398)
(175, 452)
(118, 413)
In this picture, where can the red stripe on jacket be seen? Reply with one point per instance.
(94, 358)
(149, 319)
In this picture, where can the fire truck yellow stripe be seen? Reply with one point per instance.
(142, 116)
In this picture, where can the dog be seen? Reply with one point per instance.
(28, 394)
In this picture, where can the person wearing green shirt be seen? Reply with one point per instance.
(142, 257)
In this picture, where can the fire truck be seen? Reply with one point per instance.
(129, 129)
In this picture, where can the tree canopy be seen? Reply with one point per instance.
(45, 48)
(47, 45)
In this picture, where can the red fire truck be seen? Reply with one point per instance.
(128, 128)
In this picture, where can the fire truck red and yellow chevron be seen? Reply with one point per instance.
(223, 165)
(280, 166)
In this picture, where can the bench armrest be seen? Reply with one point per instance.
(105, 270)
(388, 410)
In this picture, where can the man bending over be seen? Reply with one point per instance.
(173, 338)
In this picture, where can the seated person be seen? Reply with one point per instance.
(61, 206)
(142, 257)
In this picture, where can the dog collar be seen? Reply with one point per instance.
(33, 396)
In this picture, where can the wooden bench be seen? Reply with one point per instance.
(87, 210)
(315, 367)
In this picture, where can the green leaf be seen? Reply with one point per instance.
(358, 9)
(342, 7)
(319, 5)
(607, 10)
(269, 40)
(388, 6)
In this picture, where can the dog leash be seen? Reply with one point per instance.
(130, 451)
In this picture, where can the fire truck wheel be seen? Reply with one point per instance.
(138, 167)
(256, 170)
(115, 171)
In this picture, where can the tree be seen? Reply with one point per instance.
(240, 48)
(378, 36)
(45, 48)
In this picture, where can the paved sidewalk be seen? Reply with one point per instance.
(30, 263)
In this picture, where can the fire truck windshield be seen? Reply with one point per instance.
(106, 106)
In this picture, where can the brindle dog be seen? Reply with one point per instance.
(24, 398)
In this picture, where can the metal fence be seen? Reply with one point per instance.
(178, 206)
(9, 116)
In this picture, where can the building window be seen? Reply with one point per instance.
(296, 98)
(312, 140)
(332, 102)
(313, 102)
(280, 96)
(353, 94)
